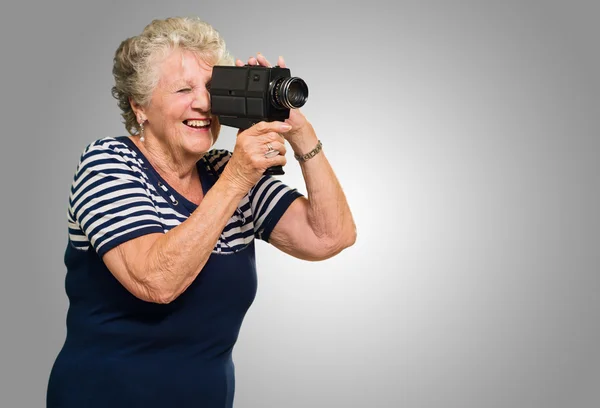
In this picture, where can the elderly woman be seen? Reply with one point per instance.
(161, 258)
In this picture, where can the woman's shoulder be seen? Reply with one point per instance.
(111, 148)
(111, 145)
(217, 159)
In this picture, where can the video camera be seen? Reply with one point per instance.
(244, 96)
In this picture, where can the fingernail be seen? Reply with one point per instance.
(285, 127)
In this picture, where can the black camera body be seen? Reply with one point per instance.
(243, 96)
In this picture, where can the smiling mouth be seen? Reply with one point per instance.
(197, 124)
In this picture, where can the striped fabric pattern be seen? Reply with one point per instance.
(114, 198)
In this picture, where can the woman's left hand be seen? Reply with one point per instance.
(297, 119)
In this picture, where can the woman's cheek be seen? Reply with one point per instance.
(215, 128)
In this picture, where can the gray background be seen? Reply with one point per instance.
(466, 136)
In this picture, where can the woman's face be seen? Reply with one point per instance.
(178, 115)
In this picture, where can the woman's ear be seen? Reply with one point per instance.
(138, 111)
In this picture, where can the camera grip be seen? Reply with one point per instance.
(274, 171)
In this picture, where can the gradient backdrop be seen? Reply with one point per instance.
(466, 136)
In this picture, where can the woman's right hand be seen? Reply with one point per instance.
(248, 162)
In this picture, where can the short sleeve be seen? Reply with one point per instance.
(270, 198)
(109, 202)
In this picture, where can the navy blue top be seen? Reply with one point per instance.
(121, 351)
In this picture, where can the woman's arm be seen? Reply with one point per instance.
(159, 267)
(321, 225)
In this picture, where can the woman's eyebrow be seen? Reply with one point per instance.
(180, 83)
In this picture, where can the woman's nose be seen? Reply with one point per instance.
(201, 100)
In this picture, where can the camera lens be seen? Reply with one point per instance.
(290, 93)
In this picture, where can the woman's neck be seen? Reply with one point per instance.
(178, 170)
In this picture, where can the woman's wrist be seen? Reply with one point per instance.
(235, 186)
(304, 140)
(307, 156)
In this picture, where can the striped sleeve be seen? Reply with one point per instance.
(109, 202)
(269, 199)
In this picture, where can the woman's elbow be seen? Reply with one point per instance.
(347, 238)
(159, 296)
(153, 292)
(331, 247)
(351, 237)
(163, 298)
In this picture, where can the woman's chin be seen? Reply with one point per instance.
(201, 142)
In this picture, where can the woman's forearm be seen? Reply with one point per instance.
(177, 257)
(329, 214)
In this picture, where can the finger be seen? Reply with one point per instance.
(281, 62)
(269, 150)
(264, 127)
(262, 60)
(280, 147)
(272, 140)
(274, 137)
(252, 61)
(239, 63)
(278, 160)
